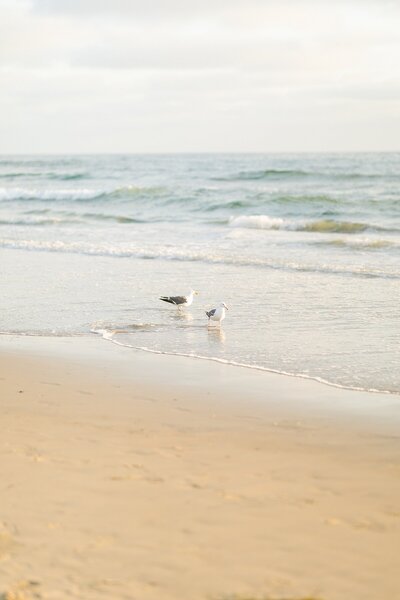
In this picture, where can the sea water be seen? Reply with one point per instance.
(304, 249)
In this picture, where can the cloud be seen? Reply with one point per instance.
(254, 35)
(153, 10)
(256, 65)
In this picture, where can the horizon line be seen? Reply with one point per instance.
(201, 152)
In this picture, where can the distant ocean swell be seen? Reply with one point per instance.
(187, 255)
(38, 163)
(45, 175)
(68, 170)
(72, 220)
(198, 202)
(298, 173)
(203, 201)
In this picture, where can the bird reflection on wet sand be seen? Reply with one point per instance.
(181, 316)
(216, 336)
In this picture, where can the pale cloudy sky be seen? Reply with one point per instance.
(198, 76)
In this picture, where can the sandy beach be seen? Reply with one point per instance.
(128, 475)
(199, 305)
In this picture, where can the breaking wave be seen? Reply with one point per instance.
(318, 226)
(78, 194)
(332, 226)
(257, 222)
(7, 194)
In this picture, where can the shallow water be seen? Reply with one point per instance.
(304, 249)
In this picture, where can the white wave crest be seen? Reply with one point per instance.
(48, 194)
(256, 222)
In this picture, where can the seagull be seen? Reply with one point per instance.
(217, 314)
(180, 300)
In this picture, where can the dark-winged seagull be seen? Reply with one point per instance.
(180, 300)
(217, 314)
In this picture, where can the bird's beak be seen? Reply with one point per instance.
(226, 307)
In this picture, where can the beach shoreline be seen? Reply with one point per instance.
(129, 475)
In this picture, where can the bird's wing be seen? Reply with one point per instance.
(174, 299)
(211, 313)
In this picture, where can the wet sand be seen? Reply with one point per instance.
(128, 475)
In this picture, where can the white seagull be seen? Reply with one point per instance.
(217, 314)
(180, 300)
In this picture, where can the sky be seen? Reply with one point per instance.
(83, 76)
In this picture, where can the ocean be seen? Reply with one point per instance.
(303, 248)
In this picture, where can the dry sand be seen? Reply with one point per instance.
(126, 475)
